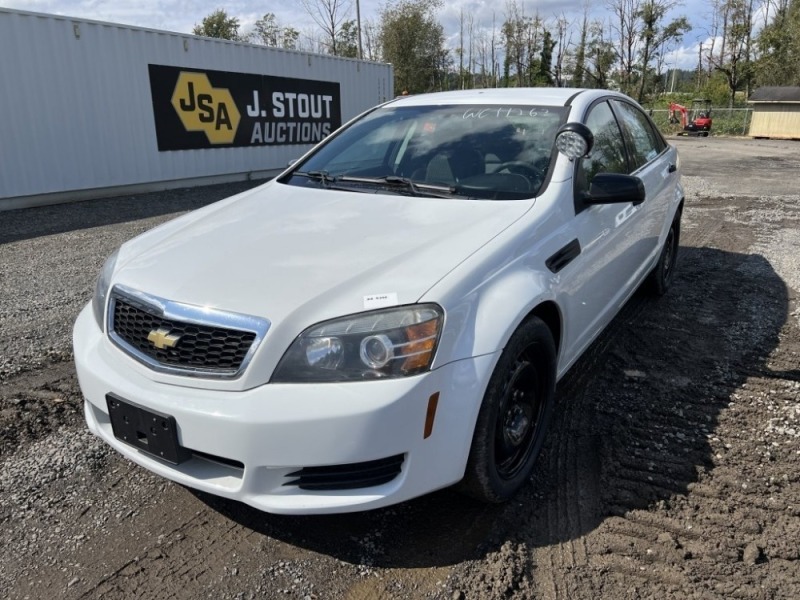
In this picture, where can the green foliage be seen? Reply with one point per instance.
(727, 121)
(735, 63)
(347, 40)
(656, 37)
(269, 32)
(219, 25)
(600, 58)
(543, 76)
(578, 72)
(717, 90)
(528, 46)
(779, 44)
(413, 41)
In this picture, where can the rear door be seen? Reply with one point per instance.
(653, 161)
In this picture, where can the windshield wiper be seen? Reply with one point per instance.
(403, 181)
(416, 188)
(325, 178)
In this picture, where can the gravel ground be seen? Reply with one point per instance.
(671, 470)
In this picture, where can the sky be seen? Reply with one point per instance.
(182, 15)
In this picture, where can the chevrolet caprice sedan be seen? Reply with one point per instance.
(391, 314)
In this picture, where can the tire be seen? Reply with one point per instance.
(660, 278)
(513, 419)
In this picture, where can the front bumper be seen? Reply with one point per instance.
(268, 432)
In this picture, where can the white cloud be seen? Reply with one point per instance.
(182, 15)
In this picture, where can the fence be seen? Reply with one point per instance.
(727, 121)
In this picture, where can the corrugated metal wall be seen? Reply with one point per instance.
(773, 120)
(76, 111)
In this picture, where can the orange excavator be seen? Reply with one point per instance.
(695, 120)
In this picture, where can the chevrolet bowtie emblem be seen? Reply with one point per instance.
(161, 339)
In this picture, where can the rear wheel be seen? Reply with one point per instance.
(660, 279)
(514, 416)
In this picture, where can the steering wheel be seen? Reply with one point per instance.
(524, 169)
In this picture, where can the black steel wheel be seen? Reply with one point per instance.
(514, 415)
(660, 279)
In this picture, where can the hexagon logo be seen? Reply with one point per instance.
(202, 107)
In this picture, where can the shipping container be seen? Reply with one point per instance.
(94, 109)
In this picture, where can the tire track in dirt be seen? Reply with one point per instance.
(617, 508)
(653, 557)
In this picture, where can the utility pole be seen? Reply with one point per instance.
(358, 26)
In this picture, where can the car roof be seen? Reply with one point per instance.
(537, 96)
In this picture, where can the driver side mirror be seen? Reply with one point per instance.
(615, 188)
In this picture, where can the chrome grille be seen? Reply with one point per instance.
(201, 341)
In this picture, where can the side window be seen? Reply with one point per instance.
(645, 142)
(608, 152)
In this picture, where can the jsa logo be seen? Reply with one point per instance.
(205, 108)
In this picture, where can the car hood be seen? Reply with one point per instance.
(296, 256)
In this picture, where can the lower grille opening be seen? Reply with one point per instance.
(228, 462)
(347, 477)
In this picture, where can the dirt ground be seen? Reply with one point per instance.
(672, 469)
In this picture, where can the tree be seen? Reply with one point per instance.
(290, 38)
(601, 54)
(562, 43)
(269, 32)
(347, 40)
(413, 41)
(625, 24)
(218, 25)
(655, 37)
(329, 15)
(779, 45)
(543, 76)
(578, 71)
(371, 34)
(483, 52)
(522, 42)
(733, 60)
(466, 53)
(529, 46)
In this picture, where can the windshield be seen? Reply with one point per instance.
(472, 151)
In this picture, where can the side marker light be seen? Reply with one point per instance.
(433, 402)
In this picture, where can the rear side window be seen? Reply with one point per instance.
(645, 143)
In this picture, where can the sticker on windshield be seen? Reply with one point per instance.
(380, 300)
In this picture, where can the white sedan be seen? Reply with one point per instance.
(390, 315)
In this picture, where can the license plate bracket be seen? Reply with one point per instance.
(152, 432)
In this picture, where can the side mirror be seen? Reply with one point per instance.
(615, 188)
(574, 140)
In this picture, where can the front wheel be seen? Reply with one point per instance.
(660, 279)
(514, 415)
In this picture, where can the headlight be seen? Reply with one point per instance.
(101, 290)
(388, 343)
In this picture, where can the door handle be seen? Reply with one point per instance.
(563, 257)
(673, 168)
